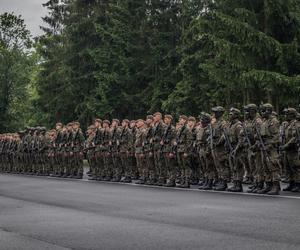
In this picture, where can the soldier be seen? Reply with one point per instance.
(57, 150)
(135, 172)
(205, 146)
(158, 130)
(267, 142)
(290, 145)
(77, 145)
(98, 173)
(183, 143)
(167, 141)
(149, 173)
(89, 150)
(139, 152)
(220, 152)
(125, 148)
(106, 147)
(235, 149)
(114, 148)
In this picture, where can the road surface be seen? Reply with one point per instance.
(46, 213)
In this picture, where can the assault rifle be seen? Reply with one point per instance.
(262, 144)
(228, 144)
(163, 139)
(298, 141)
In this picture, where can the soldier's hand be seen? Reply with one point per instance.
(171, 155)
(185, 155)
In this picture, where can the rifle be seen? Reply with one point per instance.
(282, 139)
(298, 141)
(230, 147)
(178, 139)
(262, 145)
(164, 138)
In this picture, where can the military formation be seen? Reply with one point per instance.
(212, 152)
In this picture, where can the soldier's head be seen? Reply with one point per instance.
(43, 130)
(98, 123)
(157, 116)
(290, 114)
(205, 119)
(234, 114)
(149, 120)
(266, 110)
(106, 124)
(140, 123)
(182, 120)
(125, 123)
(75, 125)
(64, 129)
(218, 111)
(58, 126)
(191, 122)
(70, 127)
(90, 130)
(31, 130)
(132, 123)
(250, 111)
(168, 119)
(115, 123)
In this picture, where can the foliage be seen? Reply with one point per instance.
(127, 58)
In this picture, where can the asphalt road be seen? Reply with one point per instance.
(45, 213)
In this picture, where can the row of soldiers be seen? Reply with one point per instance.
(212, 152)
(36, 151)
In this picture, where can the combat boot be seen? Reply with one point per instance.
(209, 185)
(296, 188)
(290, 186)
(259, 187)
(202, 183)
(237, 187)
(222, 186)
(267, 188)
(161, 181)
(186, 183)
(141, 181)
(127, 179)
(170, 183)
(275, 188)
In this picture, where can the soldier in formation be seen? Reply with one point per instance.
(215, 153)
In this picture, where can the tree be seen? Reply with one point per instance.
(16, 65)
(242, 51)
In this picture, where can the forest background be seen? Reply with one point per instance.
(128, 58)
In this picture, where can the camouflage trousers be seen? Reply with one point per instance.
(206, 164)
(220, 157)
(184, 163)
(171, 166)
(293, 166)
(142, 166)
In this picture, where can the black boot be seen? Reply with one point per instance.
(267, 188)
(222, 186)
(259, 187)
(275, 188)
(296, 188)
(209, 185)
(170, 183)
(290, 186)
(203, 183)
(237, 187)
